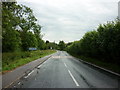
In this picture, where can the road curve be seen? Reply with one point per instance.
(64, 71)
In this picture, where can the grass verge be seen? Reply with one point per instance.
(107, 65)
(13, 60)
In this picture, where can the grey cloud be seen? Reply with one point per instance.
(69, 20)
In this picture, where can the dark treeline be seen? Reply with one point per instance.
(21, 31)
(102, 44)
(52, 45)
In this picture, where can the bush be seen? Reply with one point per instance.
(15, 59)
(103, 43)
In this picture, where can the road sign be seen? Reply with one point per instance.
(31, 49)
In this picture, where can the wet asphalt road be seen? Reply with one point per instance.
(64, 71)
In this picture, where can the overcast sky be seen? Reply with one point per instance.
(69, 20)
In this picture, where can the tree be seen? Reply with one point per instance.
(61, 45)
(51, 45)
(20, 29)
(28, 40)
(10, 36)
(103, 43)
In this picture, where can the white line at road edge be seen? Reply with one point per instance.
(39, 66)
(65, 65)
(43, 63)
(29, 74)
(73, 78)
(19, 83)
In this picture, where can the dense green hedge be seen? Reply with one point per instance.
(103, 43)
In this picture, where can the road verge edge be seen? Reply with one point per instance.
(8, 79)
(109, 71)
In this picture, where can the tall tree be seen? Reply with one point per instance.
(20, 28)
(103, 43)
(10, 36)
(61, 45)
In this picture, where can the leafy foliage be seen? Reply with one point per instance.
(61, 45)
(103, 43)
(51, 45)
(19, 27)
(16, 59)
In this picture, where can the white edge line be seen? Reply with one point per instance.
(65, 65)
(29, 74)
(43, 63)
(19, 83)
(46, 61)
(73, 78)
(17, 79)
(39, 66)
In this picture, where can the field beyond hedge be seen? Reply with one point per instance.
(13, 60)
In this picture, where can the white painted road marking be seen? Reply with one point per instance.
(39, 66)
(19, 83)
(29, 74)
(65, 65)
(73, 78)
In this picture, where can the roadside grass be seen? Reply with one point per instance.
(107, 65)
(13, 60)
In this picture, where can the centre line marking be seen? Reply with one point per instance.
(73, 78)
